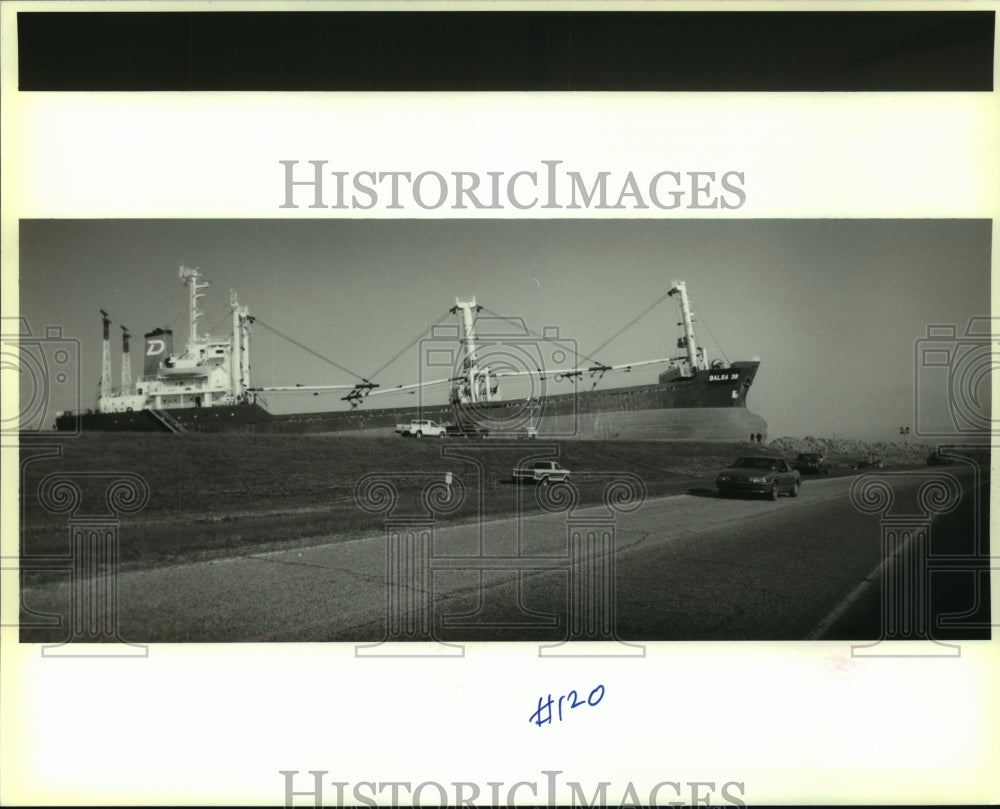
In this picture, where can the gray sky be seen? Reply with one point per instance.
(834, 308)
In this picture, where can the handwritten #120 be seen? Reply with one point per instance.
(543, 715)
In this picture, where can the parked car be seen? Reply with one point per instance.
(541, 472)
(811, 463)
(466, 430)
(759, 474)
(937, 459)
(418, 428)
(872, 460)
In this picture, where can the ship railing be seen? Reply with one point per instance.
(118, 392)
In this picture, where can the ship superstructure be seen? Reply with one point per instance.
(210, 371)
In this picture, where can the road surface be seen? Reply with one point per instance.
(688, 567)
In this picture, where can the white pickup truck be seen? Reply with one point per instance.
(418, 428)
(541, 472)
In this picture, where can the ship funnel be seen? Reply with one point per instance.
(159, 346)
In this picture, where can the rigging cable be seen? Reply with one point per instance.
(704, 323)
(410, 345)
(306, 348)
(539, 336)
(632, 322)
(219, 323)
(180, 313)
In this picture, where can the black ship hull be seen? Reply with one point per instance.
(710, 405)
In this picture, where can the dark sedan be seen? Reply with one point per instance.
(759, 475)
(811, 463)
(937, 459)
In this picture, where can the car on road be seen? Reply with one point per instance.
(542, 473)
(759, 474)
(811, 463)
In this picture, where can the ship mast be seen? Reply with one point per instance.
(190, 276)
(234, 355)
(694, 362)
(245, 321)
(106, 357)
(472, 391)
(239, 359)
(126, 363)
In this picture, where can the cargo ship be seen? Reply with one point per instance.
(206, 386)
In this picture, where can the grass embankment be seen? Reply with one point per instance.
(211, 495)
(217, 495)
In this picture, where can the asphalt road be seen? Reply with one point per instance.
(687, 567)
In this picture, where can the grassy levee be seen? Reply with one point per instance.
(217, 495)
